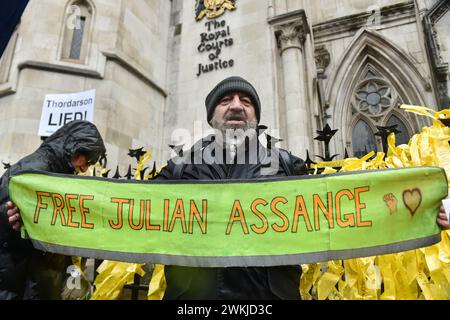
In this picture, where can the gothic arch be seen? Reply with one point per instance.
(358, 118)
(371, 51)
(401, 116)
(361, 118)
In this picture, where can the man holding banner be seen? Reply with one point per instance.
(234, 152)
(26, 273)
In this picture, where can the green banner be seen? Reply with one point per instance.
(268, 222)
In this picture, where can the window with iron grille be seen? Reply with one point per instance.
(77, 29)
(77, 39)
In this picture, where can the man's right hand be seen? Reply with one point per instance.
(13, 216)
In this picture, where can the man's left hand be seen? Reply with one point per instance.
(13, 216)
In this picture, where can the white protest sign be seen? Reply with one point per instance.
(60, 109)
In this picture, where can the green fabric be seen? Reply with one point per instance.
(233, 223)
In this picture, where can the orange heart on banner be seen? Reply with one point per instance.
(412, 200)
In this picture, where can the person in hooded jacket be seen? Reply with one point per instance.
(26, 273)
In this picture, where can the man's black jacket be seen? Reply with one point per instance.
(236, 283)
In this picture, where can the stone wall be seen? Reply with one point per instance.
(254, 59)
(126, 63)
(442, 28)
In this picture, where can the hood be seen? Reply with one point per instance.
(76, 136)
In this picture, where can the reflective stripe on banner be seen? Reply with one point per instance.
(260, 222)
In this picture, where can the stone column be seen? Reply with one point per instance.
(322, 58)
(280, 7)
(270, 9)
(290, 31)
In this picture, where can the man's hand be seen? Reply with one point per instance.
(442, 219)
(13, 216)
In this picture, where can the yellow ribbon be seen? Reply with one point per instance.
(158, 285)
(141, 164)
(112, 277)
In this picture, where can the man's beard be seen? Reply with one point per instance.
(222, 125)
(233, 134)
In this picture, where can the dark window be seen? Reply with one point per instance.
(363, 139)
(403, 136)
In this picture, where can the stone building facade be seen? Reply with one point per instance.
(349, 64)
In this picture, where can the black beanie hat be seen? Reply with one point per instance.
(229, 85)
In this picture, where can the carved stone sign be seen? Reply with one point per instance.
(216, 37)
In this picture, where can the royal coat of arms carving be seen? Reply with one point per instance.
(212, 9)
